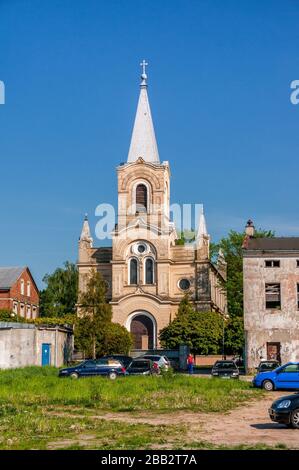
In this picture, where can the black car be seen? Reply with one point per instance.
(265, 366)
(285, 410)
(125, 360)
(225, 370)
(106, 367)
(141, 367)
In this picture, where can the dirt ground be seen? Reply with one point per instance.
(250, 425)
(247, 425)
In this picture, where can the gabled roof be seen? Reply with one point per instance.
(8, 276)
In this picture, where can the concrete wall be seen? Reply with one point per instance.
(263, 325)
(21, 346)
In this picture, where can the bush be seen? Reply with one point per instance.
(116, 340)
(8, 316)
(201, 331)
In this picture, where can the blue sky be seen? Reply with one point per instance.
(219, 87)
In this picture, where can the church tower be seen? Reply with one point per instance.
(147, 270)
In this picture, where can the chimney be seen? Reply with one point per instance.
(249, 229)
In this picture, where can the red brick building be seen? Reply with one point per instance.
(18, 292)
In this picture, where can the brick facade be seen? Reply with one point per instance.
(22, 297)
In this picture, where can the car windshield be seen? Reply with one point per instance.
(268, 365)
(139, 365)
(225, 365)
(290, 368)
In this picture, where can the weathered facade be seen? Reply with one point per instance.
(146, 270)
(24, 345)
(271, 298)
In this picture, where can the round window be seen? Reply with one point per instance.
(184, 284)
(140, 248)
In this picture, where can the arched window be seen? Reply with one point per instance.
(28, 289)
(149, 271)
(141, 198)
(22, 287)
(133, 271)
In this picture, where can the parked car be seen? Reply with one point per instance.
(225, 370)
(141, 366)
(285, 410)
(264, 365)
(238, 360)
(125, 360)
(162, 361)
(106, 367)
(283, 377)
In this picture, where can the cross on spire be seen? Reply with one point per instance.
(143, 64)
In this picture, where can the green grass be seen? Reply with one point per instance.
(38, 410)
(40, 386)
(37, 430)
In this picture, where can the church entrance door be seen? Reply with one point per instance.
(142, 330)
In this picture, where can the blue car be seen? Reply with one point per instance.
(106, 367)
(283, 377)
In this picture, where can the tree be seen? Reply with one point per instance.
(234, 335)
(116, 340)
(231, 247)
(185, 307)
(59, 298)
(95, 334)
(201, 331)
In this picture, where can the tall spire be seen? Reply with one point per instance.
(85, 234)
(143, 141)
(202, 236)
(202, 226)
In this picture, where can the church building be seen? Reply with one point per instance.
(148, 271)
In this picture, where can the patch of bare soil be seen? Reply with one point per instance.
(81, 440)
(248, 424)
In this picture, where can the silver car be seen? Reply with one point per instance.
(162, 361)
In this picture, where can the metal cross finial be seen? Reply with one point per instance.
(143, 64)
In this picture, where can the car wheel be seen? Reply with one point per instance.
(112, 375)
(268, 385)
(74, 375)
(295, 419)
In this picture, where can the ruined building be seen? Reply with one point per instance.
(271, 298)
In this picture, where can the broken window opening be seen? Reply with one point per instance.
(273, 297)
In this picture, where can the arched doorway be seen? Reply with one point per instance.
(143, 331)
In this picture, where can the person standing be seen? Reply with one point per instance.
(190, 363)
